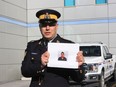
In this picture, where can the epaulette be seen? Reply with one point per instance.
(33, 40)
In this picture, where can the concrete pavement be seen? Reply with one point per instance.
(25, 83)
(19, 83)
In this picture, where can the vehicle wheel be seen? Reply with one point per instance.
(102, 81)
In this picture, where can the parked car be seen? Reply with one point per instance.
(101, 63)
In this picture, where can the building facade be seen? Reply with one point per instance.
(81, 21)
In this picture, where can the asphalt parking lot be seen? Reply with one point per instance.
(108, 84)
(111, 84)
(25, 83)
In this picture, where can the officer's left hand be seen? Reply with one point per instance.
(80, 58)
(44, 58)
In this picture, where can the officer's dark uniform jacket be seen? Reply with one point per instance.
(47, 77)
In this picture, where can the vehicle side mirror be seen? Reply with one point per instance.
(108, 55)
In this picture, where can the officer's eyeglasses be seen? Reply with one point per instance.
(47, 24)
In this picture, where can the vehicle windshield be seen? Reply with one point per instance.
(90, 50)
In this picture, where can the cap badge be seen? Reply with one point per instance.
(46, 16)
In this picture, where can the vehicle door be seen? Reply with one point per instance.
(107, 61)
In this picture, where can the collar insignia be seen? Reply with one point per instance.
(57, 41)
(39, 43)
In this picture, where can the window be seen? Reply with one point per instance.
(101, 1)
(91, 50)
(69, 2)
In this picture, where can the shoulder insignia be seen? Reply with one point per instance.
(32, 40)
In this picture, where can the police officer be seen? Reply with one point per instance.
(36, 58)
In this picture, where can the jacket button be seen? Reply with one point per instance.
(81, 71)
(32, 58)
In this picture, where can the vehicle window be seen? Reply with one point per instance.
(106, 49)
(104, 52)
(91, 50)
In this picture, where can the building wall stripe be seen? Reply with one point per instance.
(72, 22)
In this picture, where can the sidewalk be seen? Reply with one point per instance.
(19, 83)
(25, 83)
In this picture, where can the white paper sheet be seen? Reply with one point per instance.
(70, 50)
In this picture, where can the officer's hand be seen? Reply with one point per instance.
(80, 58)
(44, 58)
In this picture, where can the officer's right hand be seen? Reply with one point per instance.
(44, 58)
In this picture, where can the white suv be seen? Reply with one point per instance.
(101, 63)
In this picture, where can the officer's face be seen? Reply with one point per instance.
(49, 31)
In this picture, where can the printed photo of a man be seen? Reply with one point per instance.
(62, 57)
